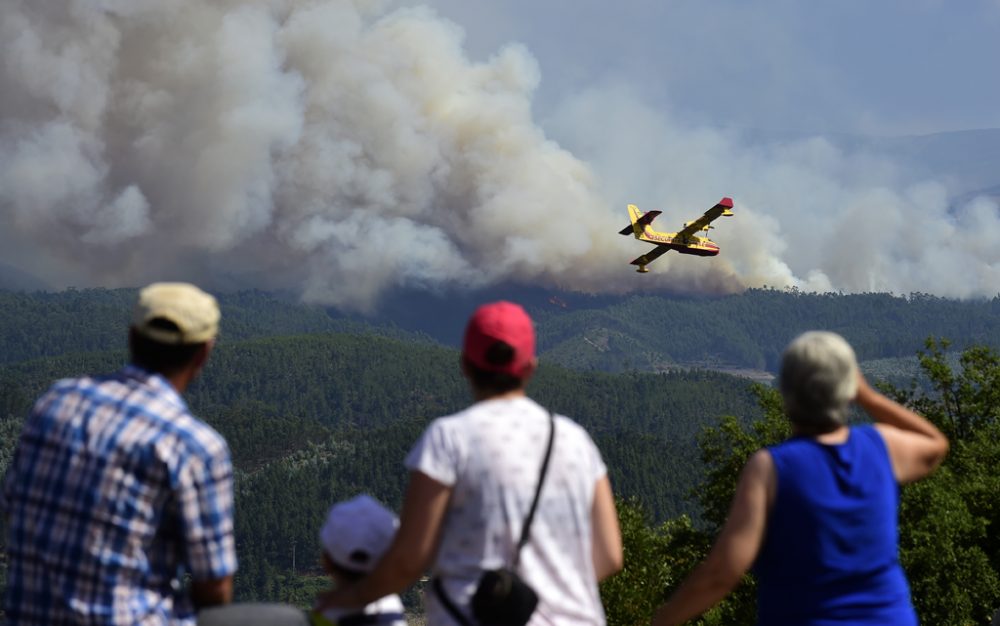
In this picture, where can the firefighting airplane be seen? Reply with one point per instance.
(684, 241)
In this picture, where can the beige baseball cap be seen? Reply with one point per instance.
(175, 314)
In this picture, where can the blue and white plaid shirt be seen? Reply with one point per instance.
(114, 492)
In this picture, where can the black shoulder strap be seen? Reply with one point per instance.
(525, 530)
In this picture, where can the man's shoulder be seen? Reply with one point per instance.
(197, 437)
(138, 395)
(88, 388)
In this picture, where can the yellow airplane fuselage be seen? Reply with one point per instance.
(700, 246)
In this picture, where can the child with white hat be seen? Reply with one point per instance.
(356, 534)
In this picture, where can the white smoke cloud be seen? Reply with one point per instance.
(340, 148)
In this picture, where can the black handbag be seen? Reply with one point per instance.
(502, 597)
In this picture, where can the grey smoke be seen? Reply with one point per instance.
(341, 148)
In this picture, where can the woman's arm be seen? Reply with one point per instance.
(607, 541)
(916, 447)
(735, 548)
(412, 549)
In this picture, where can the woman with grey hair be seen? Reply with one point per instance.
(816, 515)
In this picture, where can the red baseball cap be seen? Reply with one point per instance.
(495, 322)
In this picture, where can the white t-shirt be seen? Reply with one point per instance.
(491, 454)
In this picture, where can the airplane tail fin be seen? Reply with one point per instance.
(639, 221)
(634, 214)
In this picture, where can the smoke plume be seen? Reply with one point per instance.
(340, 148)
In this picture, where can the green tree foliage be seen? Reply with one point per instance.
(657, 556)
(949, 522)
(725, 449)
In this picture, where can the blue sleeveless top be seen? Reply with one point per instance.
(830, 552)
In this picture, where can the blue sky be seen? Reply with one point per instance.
(881, 67)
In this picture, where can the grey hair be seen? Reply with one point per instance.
(818, 379)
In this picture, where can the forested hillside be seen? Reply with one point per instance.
(750, 330)
(608, 333)
(317, 407)
(316, 418)
(39, 324)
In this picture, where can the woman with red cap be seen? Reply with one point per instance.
(481, 477)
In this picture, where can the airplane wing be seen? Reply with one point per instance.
(722, 208)
(650, 256)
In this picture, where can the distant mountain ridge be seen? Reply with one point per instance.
(648, 332)
(40, 324)
(606, 333)
(750, 330)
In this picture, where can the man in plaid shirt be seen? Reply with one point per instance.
(116, 491)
